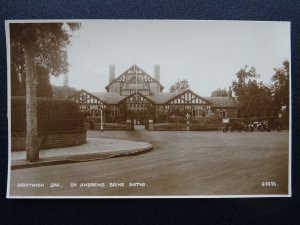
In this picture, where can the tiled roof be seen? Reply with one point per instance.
(110, 98)
(222, 102)
(160, 98)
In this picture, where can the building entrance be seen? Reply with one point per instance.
(139, 118)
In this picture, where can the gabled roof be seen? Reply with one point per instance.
(161, 98)
(134, 67)
(102, 100)
(188, 90)
(111, 98)
(222, 102)
(146, 97)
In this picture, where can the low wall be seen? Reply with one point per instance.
(106, 126)
(47, 140)
(183, 127)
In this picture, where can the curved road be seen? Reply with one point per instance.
(181, 164)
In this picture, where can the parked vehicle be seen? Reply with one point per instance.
(269, 123)
(249, 127)
(256, 125)
(232, 124)
(259, 124)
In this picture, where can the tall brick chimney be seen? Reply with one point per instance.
(157, 72)
(112, 72)
(229, 92)
(66, 80)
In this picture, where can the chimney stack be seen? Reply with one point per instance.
(66, 79)
(112, 72)
(157, 72)
(229, 92)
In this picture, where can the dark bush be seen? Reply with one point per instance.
(211, 119)
(53, 114)
(177, 119)
(183, 127)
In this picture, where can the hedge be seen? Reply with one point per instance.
(183, 127)
(53, 114)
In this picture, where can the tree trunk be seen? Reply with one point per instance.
(32, 148)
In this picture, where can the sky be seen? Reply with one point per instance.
(206, 53)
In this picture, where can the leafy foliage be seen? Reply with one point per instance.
(48, 41)
(280, 86)
(219, 93)
(179, 86)
(63, 92)
(44, 88)
(254, 98)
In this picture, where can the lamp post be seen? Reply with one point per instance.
(101, 115)
(101, 120)
(187, 122)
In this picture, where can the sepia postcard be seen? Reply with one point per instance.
(148, 109)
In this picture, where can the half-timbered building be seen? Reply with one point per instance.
(134, 80)
(89, 103)
(138, 95)
(223, 106)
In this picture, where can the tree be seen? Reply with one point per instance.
(219, 93)
(63, 92)
(18, 75)
(280, 87)
(253, 97)
(179, 86)
(44, 88)
(17, 70)
(37, 45)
